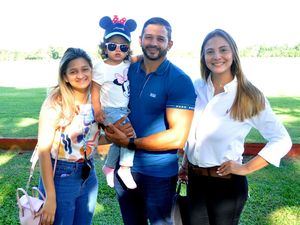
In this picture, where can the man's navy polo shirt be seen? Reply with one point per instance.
(150, 95)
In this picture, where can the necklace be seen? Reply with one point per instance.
(218, 84)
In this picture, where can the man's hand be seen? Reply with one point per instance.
(125, 128)
(116, 136)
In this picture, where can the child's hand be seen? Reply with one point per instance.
(136, 58)
(100, 116)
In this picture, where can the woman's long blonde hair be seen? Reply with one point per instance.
(62, 95)
(249, 100)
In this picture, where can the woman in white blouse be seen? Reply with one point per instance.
(227, 107)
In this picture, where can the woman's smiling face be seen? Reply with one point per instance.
(79, 74)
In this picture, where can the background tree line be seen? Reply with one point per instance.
(57, 52)
(39, 54)
(271, 51)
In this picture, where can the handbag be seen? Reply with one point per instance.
(30, 205)
(180, 205)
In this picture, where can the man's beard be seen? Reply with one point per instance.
(161, 53)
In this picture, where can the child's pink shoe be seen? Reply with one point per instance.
(109, 173)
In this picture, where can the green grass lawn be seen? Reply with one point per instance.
(288, 110)
(14, 171)
(20, 109)
(274, 193)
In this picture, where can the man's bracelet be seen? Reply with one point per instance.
(131, 145)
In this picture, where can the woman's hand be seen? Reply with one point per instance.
(183, 170)
(48, 211)
(232, 167)
(183, 173)
(251, 166)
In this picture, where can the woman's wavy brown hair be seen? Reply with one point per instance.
(249, 100)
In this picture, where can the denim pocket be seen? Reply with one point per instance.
(65, 170)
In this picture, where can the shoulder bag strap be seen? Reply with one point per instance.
(34, 158)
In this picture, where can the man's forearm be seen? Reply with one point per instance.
(173, 138)
(162, 141)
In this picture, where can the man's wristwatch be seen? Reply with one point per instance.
(131, 145)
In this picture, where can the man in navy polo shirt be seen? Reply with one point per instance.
(162, 99)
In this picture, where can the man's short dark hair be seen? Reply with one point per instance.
(159, 21)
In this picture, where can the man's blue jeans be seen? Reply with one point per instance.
(75, 199)
(150, 201)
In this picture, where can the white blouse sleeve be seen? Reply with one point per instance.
(271, 128)
(98, 73)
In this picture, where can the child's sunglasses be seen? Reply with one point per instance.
(112, 47)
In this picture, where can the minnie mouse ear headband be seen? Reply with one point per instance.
(117, 26)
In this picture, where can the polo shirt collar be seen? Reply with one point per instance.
(161, 70)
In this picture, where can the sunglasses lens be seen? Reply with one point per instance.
(124, 48)
(111, 46)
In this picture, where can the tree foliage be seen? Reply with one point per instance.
(271, 51)
(49, 53)
(55, 53)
